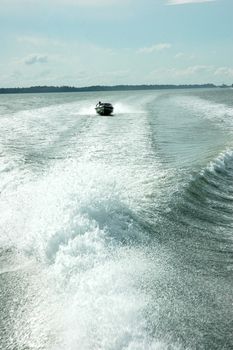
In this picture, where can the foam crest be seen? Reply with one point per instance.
(222, 162)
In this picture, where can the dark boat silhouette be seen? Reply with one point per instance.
(104, 108)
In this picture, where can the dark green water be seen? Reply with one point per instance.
(116, 232)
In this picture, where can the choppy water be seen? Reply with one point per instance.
(116, 232)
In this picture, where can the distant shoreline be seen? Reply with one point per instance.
(53, 89)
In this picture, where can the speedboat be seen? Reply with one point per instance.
(103, 108)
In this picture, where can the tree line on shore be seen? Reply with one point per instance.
(51, 89)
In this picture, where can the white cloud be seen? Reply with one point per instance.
(181, 2)
(155, 48)
(224, 71)
(32, 59)
(182, 55)
(183, 72)
(196, 74)
(179, 55)
(194, 70)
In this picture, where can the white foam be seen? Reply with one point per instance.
(217, 112)
(76, 221)
(220, 162)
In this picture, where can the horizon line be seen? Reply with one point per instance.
(93, 88)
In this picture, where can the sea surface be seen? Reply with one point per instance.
(117, 232)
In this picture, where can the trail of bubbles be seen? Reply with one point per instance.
(217, 112)
(80, 224)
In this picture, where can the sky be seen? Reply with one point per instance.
(111, 42)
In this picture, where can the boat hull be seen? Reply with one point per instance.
(104, 110)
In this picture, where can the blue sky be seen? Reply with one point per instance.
(108, 42)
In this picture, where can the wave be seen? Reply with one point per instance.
(216, 181)
(202, 208)
(216, 112)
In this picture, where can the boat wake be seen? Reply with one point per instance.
(76, 225)
(218, 113)
(113, 236)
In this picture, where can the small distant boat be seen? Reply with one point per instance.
(103, 108)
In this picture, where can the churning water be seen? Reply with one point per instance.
(116, 232)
